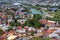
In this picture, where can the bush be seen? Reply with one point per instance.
(10, 28)
(32, 33)
(15, 23)
(38, 38)
(1, 31)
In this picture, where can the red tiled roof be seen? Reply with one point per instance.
(45, 22)
(4, 17)
(50, 31)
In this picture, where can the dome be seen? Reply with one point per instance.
(16, 4)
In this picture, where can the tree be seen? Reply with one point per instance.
(38, 38)
(27, 9)
(42, 25)
(28, 22)
(33, 22)
(15, 23)
(48, 18)
(37, 17)
(0, 10)
(1, 31)
(10, 28)
(37, 25)
(56, 16)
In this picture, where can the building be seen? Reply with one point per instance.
(48, 22)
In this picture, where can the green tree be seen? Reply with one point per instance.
(27, 10)
(56, 16)
(33, 22)
(1, 31)
(38, 38)
(37, 17)
(0, 10)
(15, 23)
